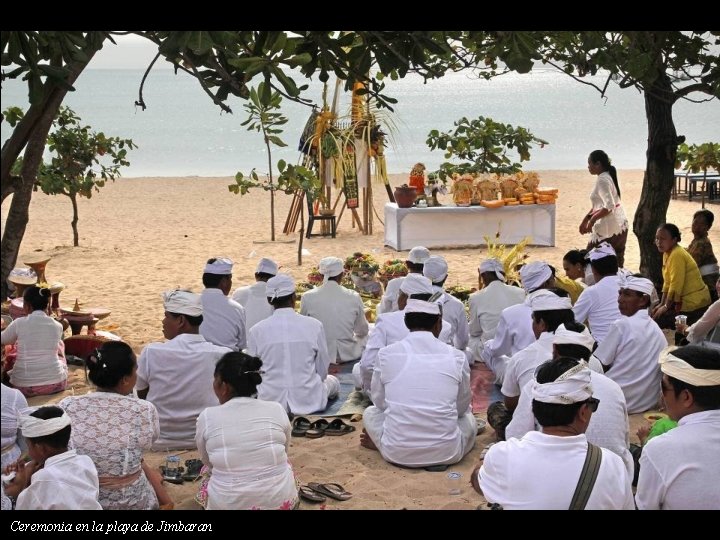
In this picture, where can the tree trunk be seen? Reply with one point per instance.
(74, 222)
(30, 134)
(302, 229)
(659, 175)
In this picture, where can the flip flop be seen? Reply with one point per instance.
(334, 491)
(317, 429)
(310, 495)
(338, 427)
(300, 426)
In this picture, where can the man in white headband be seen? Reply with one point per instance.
(609, 424)
(294, 352)
(597, 305)
(415, 263)
(679, 470)
(453, 310)
(487, 304)
(546, 465)
(550, 309)
(223, 318)
(430, 423)
(630, 351)
(61, 479)
(176, 376)
(252, 297)
(390, 328)
(340, 310)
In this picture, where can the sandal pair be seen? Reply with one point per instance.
(315, 492)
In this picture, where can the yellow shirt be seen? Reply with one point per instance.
(682, 280)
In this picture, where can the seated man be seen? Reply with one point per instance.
(223, 319)
(340, 310)
(61, 479)
(177, 376)
(542, 471)
(629, 354)
(453, 310)
(390, 328)
(421, 392)
(487, 304)
(609, 424)
(679, 470)
(415, 264)
(252, 297)
(293, 350)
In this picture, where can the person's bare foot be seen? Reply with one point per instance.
(366, 441)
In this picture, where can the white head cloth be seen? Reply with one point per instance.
(602, 251)
(573, 386)
(563, 336)
(331, 267)
(182, 302)
(279, 286)
(222, 266)
(672, 366)
(418, 255)
(416, 284)
(37, 427)
(266, 266)
(493, 265)
(544, 300)
(534, 274)
(421, 306)
(435, 269)
(639, 284)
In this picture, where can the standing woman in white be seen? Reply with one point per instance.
(606, 219)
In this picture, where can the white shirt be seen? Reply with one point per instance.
(631, 349)
(679, 470)
(521, 367)
(37, 337)
(541, 472)
(245, 442)
(598, 305)
(487, 304)
(453, 311)
(295, 360)
(701, 330)
(389, 328)
(12, 403)
(604, 195)
(66, 482)
(342, 314)
(223, 320)
(180, 376)
(423, 387)
(388, 302)
(254, 300)
(609, 425)
(513, 333)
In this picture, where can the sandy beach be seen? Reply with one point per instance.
(141, 236)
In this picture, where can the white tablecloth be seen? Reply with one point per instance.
(447, 226)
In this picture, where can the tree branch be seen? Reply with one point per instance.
(141, 102)
(596, 87)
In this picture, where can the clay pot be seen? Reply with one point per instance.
(405, 196)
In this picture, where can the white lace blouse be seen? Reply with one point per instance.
(606, 196)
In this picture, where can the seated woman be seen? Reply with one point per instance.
(113, 427)
(244, 442)
(39, 369)
(684, 291)
(704, 331)
(12, 442)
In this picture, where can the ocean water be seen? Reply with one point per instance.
(183, 134)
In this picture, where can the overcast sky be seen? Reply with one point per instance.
(131, 52)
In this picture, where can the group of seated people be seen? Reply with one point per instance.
(232, 371)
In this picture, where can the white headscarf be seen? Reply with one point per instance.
(182, 302)
(279, 286)
(602, 251)
(639, 284)
(563, 336)
(221, 266)
(416, 284)
(544, 300)
(421, 306)
(266, 266)
(435, 269)
(675, 367)
(573, 386)
(418, 255)
(331, 267)
(534, 274)
(32, 427)
(493, 265)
